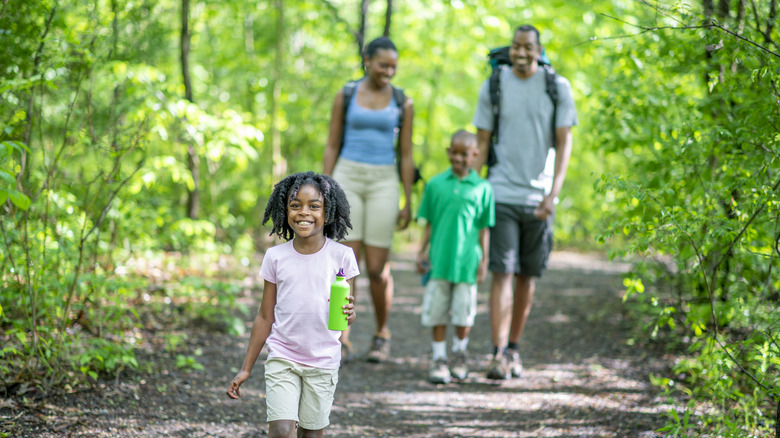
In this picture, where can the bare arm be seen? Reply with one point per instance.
(335, 134)
(484, 243)
(563, 146)
(483, 141)
(260, 331)
(407, 164)
(423, 256)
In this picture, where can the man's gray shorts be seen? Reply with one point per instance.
(519, 242)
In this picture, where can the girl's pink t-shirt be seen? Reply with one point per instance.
(300, 330)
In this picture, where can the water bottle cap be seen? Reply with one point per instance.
(341, 273)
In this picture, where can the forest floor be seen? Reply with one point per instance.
(581, 377)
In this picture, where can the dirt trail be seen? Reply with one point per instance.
(580, 378)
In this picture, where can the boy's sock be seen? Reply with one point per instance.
(496, 350)
(459, 344)
(513, 346)
(439, 350)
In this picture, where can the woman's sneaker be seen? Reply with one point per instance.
(438, 372)
(498, 368)
(459, 368)
(514, 363)
(380, 350)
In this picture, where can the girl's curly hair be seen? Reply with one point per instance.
(336, 205)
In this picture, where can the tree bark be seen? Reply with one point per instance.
(388, 16)
(279, 163)
(193, 162)
(361, 33)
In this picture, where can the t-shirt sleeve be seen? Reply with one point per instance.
(268, 267)
(423, 212)
(488, 218)
(483, 116)
(350, 264)
(566, 115)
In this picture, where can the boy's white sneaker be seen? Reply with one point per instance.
(438, 372)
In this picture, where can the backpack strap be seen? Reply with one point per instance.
(494, 87)
(552, 91)
(400, 100)
(348, 91)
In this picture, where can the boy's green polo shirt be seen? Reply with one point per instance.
(457, 210)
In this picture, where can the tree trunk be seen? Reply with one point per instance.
(193, 162)
(361, 33)
(278, 161)
(388, 16)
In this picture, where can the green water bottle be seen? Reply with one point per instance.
(339, 291)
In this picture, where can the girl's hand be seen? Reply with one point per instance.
(349, 310)
(240, 378)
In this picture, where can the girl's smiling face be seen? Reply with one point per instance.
(306, 212)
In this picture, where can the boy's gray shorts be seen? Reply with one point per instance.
(519, 242)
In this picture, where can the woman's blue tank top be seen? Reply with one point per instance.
(369, 135)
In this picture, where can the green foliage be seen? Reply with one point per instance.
(699, 201)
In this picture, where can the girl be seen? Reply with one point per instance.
(364, 164)
(301, 372)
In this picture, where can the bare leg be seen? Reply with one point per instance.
(524, 296)
(462, 332)
(439, 332)
(306, 433)
(356, 246)
(500, 307)
(281, 429)
(381, 285)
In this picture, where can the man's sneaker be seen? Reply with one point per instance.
(380, 350)
(438, 372)
(498, 368)
(459, 367)
(514, 362)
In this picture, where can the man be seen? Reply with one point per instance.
(525, 188)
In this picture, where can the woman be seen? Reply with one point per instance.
(365, 166)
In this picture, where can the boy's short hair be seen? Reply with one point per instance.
(465, 136)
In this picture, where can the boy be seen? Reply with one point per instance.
(459, 209)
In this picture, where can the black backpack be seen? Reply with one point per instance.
(497, 58)
(400, 98)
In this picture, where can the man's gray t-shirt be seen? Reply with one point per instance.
(526, 160)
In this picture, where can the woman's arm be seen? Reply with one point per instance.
(335, 134)
(260, 331)
(407, 164)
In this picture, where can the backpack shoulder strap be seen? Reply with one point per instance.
(348, 92)
(400, 99)
(552, 91)
(494, 89)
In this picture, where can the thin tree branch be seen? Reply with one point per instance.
(2, 11)
(710, 25)
(335, 13)
(744, 229)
